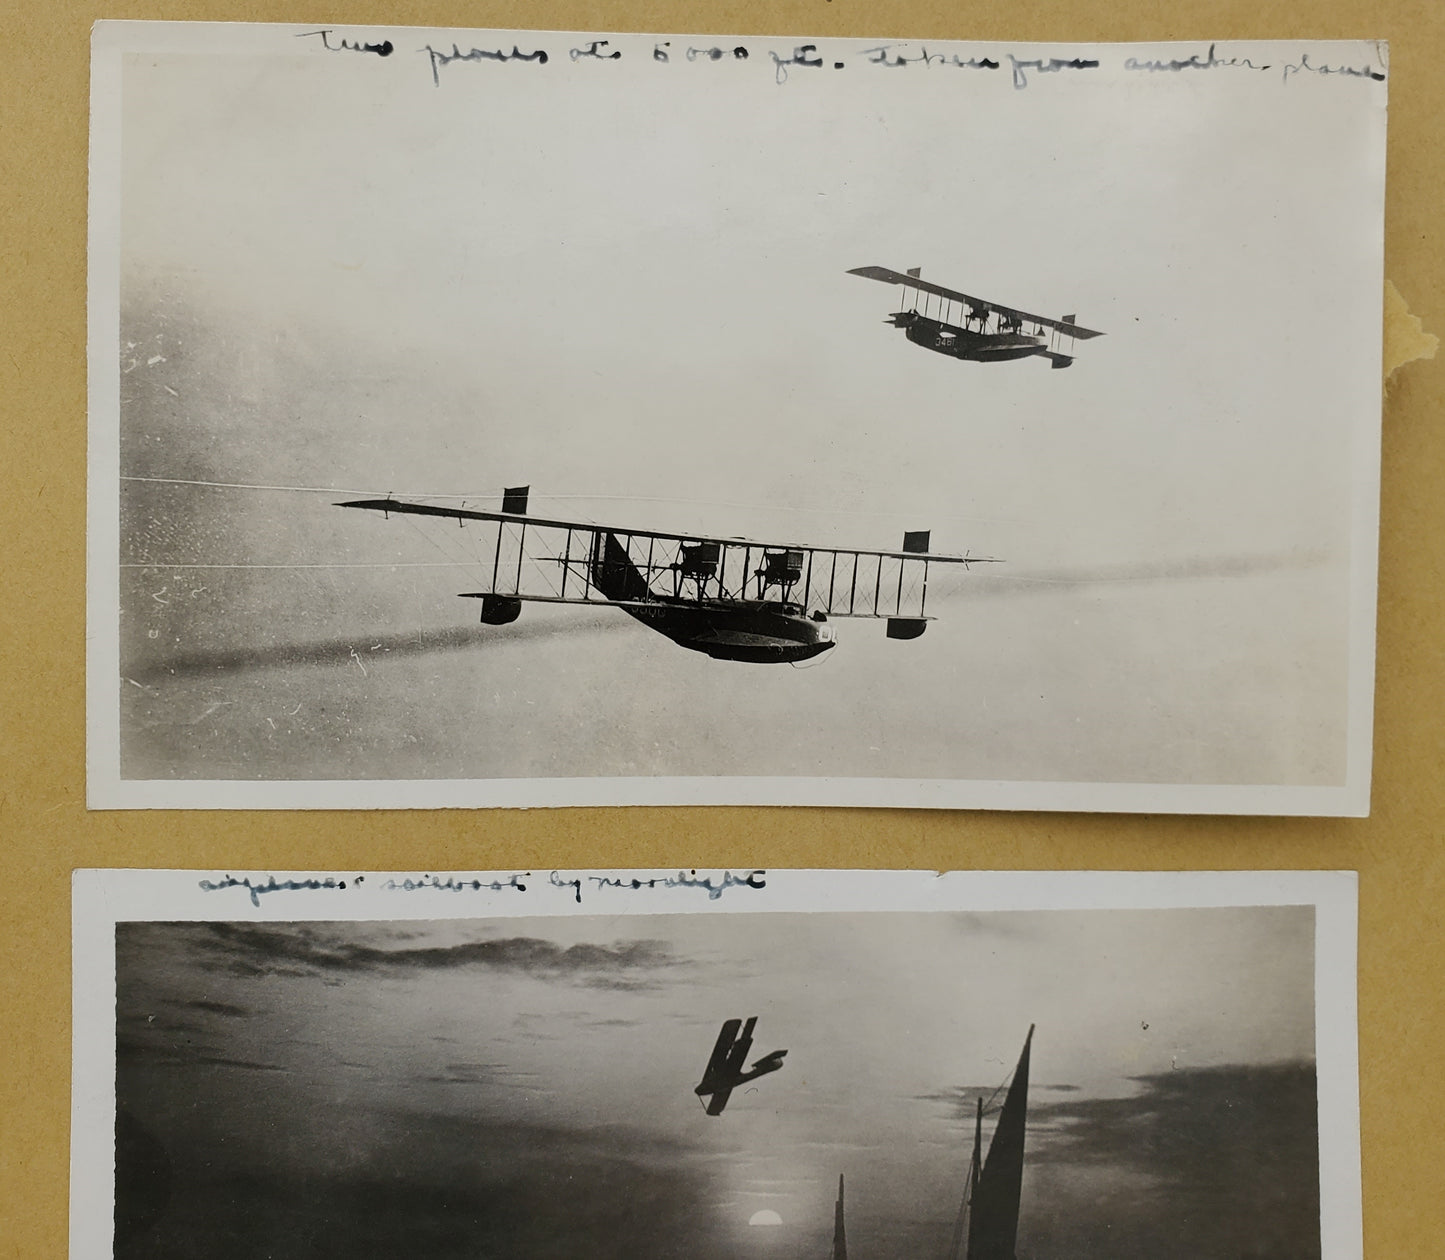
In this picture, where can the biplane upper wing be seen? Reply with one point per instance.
(887, 276)
(717, 1062)
(553, 560)
(403, 507)
(738, 1055)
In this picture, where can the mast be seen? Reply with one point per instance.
(955, 1250)
(840, 1240)
(993, 1222)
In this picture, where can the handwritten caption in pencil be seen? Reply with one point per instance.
(712, 885)
(786, 63)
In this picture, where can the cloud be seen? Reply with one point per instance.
(962, 1100)
(218, 1008)
(215, 1060)
(1187, 1113)
(220, 663)
(475, 1074)
(1181, 570)
(251, 950)
(1209, 1162)
(433, 1186)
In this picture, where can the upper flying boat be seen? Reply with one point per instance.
(966, 327)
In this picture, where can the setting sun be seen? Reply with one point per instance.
(766, 1217)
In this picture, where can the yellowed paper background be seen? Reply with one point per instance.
(45, 831)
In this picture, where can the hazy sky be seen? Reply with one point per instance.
(524, 1087)
(625, 284)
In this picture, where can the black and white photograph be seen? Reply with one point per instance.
(529, 418)
(1155, 1074)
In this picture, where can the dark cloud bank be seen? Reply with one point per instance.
(247, 950)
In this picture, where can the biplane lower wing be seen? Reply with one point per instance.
(728, 597)
(720, 1075)
(977, 305)
(718, 1101)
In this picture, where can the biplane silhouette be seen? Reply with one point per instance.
(725, 1067)
(966, 327)
(732, 598)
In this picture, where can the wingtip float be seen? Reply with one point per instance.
(966, 327)
(730, 598)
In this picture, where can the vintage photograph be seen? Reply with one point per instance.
(517, 418)
(1117, 1083)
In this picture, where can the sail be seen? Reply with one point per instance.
(993, 1222)
(840, 1239)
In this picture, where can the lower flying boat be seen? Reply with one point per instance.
(725, 1071)
(733, 599)
(966, 327)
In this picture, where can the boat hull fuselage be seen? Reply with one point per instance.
(760, 631)
(755, 631)
(965, 343)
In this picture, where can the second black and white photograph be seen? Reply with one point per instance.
(1113, 1083)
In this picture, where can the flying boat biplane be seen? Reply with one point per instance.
(732, 598)
(725, 1072)
(965, 327)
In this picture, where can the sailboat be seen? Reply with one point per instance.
(989, 1217)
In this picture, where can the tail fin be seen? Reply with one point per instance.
(514, 499)
(614, 574)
